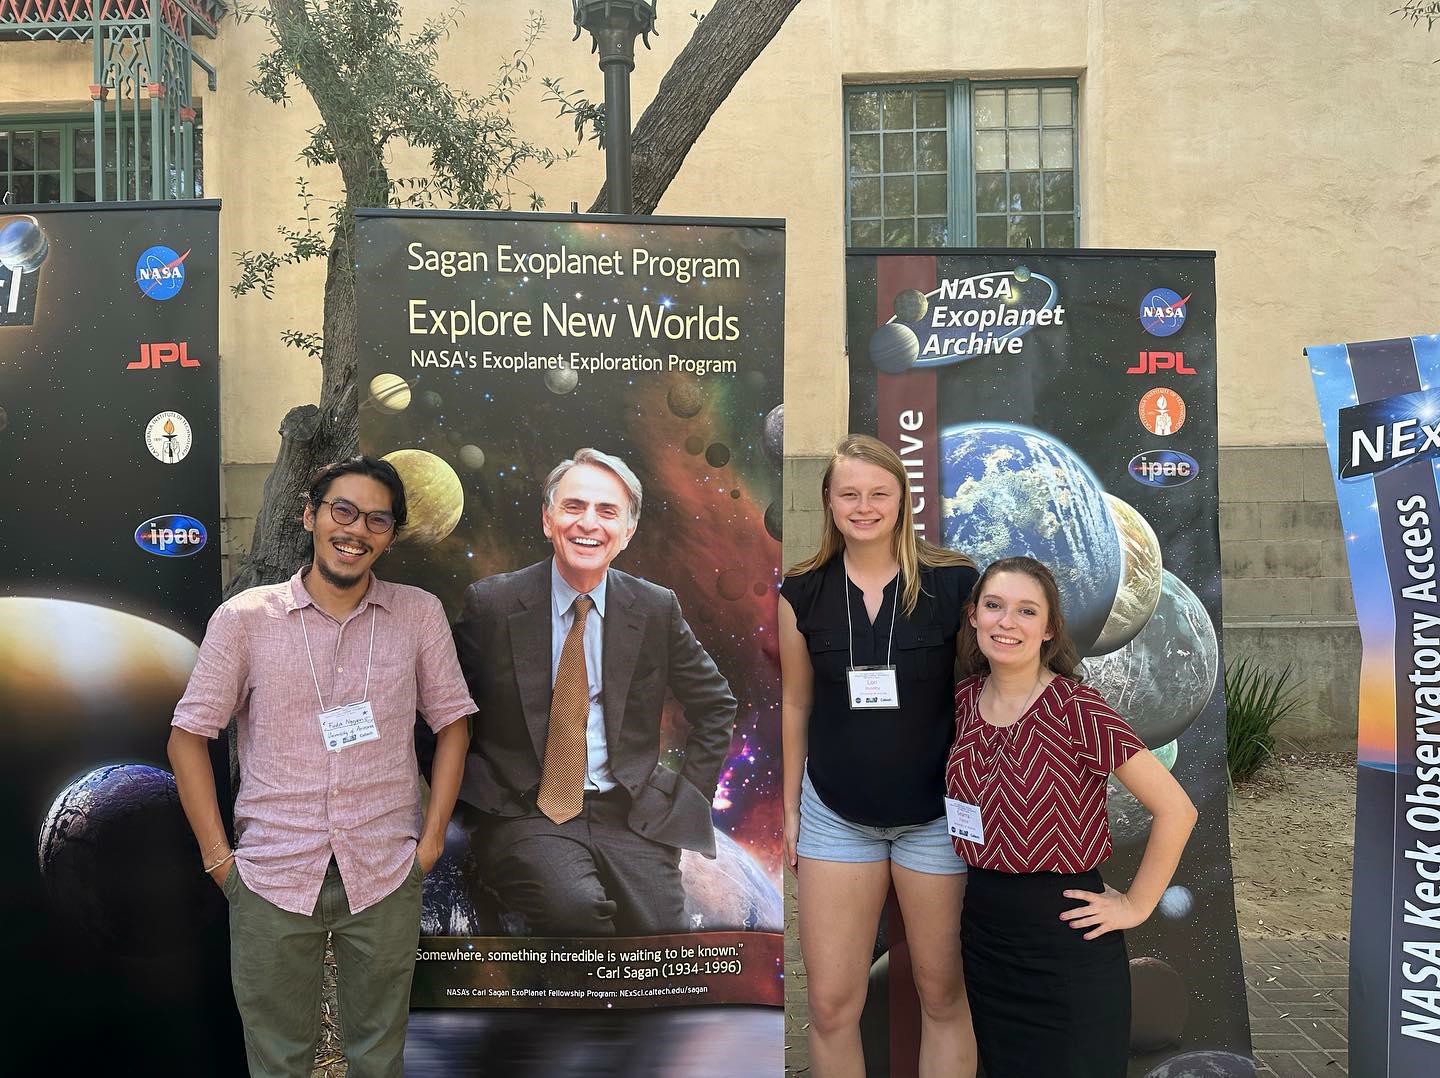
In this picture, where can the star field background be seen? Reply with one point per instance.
(1070, 382)
(698, 444)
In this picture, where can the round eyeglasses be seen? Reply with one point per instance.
(342, 512)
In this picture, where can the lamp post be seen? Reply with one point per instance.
(614, 25)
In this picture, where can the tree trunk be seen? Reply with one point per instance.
(723, 47)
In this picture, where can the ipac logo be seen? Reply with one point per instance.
(1162, 312)
(1155, 362)
(168, 437)
(1163, 468)
(160, 272)
(155, 355)
(171, 536)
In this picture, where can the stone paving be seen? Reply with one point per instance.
(1298, 993)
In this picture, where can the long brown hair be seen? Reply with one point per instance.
(1058, 653)
(912, 552)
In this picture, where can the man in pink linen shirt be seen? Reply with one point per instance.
(323, 676)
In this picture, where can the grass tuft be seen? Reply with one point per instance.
(1255, 700)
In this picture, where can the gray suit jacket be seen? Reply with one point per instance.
(503, 639)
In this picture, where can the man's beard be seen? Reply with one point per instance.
(335, 580)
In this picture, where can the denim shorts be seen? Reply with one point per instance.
(827, 836)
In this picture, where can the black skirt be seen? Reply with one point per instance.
(1045, 1000)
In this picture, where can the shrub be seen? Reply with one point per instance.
(1255, 700)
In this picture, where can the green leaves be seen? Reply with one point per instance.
(1255, 700)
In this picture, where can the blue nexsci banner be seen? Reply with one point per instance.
(1379, 412)
(115, 943)
(1061, 404)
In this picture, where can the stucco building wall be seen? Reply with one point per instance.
(1295, 144)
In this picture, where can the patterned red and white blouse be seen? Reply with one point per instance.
(1040, 782)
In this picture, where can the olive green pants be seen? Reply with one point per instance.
(277, 964)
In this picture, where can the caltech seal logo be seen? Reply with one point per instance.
(168, 438)
(1163, 468)
(1162, 312)
(160, 272)
(171, 536)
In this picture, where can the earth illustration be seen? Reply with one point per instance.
(1011, 490)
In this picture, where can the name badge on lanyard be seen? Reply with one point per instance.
(964, 822)
(351, 724)
(348, 724)
(872, 688)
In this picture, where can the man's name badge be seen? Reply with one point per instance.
(964, 821)
(353, 724)
(872, 687)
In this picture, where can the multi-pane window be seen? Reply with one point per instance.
(53, 160)
(987, 164)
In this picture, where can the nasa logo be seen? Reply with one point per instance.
(171, 536)
(1162, 312)
(168, 438)
(1155, 362)
(1163, 468)
(160, 272)
(155, 355)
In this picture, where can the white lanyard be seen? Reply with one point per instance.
(365, 695)
(850, 622)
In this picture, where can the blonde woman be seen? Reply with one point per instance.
(867, 651)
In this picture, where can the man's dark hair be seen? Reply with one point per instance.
(381, 471)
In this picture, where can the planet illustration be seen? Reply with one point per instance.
(1159, 1005)
(717, 454)
(1210, 1064)
(685, 399)
(1128, 819)
(775, 433)
(447, 907)
(432, 400)
(911, 305)
(120, 864)
(1139, 578)
(730, 892)
(23, 244)
(1011, 490)
(894, 348)
(562, 381)
(87, 674)
(1162, 679)
(433, 495)
(389, 393)
(1176, 903)
(1022, 273)
(4, 419)
(775, 521)
(694, 445)
(1167, 754)
(731, 584)
(472, 456)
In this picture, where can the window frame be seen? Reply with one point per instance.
(959, 126)
(69, 123)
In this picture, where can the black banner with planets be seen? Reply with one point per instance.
(1062, 405)
(109, 569)
(496, 345)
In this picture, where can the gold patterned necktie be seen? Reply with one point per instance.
(562, 781)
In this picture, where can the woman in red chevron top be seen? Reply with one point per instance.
(1042, 935)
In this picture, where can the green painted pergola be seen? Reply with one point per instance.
(143, 63)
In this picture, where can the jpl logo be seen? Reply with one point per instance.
(1162, 312)
(171, 536)
(154, 356)
(1155, 362)
(160, 272)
